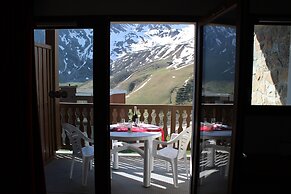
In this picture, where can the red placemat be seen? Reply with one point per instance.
(139, 129)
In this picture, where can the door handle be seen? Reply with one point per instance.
(244, 155)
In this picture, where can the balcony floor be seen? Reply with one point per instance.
(126, 180)
(130, 172)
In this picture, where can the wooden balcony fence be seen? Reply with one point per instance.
(172, 118)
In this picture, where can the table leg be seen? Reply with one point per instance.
(211, 156)
(115, 157)
(147, 163)
(115, 161)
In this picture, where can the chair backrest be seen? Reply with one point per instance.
(75, 137)
(184, 140)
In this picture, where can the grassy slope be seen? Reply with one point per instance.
(220, 86)
(158, 89)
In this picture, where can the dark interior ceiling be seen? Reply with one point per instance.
(193, 8)
(135, 9)
(222, 15)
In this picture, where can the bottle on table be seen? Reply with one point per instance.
(129, 127)
(138, 117)
(134, 116)
(130, 115)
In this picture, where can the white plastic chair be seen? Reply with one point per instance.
(86, 153)
(171, 154)
(212, 151)
(174, 145)
(116, 147)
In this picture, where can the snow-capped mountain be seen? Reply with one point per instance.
(134, 47)
(75, 55)
(219, 53)
(137, 47)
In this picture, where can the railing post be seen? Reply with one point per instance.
(165, 121)
(180, 120)
(173, 119)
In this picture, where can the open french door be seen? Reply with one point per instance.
(46, 82)
(214, 104)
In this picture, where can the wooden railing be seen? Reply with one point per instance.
(221, 112)
(172, 118)
(78, 114)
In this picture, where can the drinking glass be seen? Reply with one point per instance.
(122, 121)
(213, 120)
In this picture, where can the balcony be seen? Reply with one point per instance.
(172, 118)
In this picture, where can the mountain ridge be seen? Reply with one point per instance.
(136, 48)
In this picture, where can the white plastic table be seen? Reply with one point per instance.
(220, 134)
(224, 135)
(148, 138)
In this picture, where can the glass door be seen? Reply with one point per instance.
(265, 147)
(151, 74)
(215, 105)
(64, 74)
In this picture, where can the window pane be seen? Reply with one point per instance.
(217, 110)
(39, 36)
(271, 65)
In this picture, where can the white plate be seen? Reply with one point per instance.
(113, 126)
(150, 127)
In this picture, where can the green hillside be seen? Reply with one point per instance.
(158, 85)
(155, 86)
